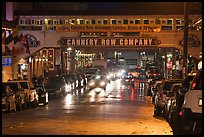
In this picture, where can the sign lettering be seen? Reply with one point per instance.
(110, 41)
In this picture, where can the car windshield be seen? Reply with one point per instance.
(24, 85)
(14, 86)
(98, 77)
(168, 84)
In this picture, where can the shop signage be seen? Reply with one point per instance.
(108, 28)
(109, 41)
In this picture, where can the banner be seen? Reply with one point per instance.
(108, 28)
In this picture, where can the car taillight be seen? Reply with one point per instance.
(161, 94)
(193, 85)
(158, 74)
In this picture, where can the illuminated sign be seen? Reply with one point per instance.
(108, 28)
(109, 41)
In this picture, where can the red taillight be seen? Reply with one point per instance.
(180, 113)
(161, 94)
(193, 85)
(132, 80)
(158, 74)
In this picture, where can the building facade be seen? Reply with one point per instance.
(61, 43)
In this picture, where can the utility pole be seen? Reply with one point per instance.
(185, 45)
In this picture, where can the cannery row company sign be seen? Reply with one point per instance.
(109, 41)
(108, 28)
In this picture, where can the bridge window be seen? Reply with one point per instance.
(137, 21)
(93, 21)
(158, 21)
(105, 21)
(33, 22)
(27, 22)
(125, 21)
(131, 22)
(50, 22)
(151, 21)
(99, 22)
(113, 21)
(62, 21)
(145, 21)
(170, 21)
(22, 22)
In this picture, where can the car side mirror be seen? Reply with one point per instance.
(183, 90)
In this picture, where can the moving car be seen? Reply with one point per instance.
(128, 80)
(97, 81)
(56, 86)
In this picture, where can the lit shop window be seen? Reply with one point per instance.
(50, 55)
(6, 61)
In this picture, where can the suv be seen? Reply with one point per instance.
(174, 116)
(192, 105)
(160, 97)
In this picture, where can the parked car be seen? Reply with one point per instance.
(97, 81)
(42, 94)
(192, 106)
(155, 88)
(169, 97)
(90, 72)
(8, 99)
(21, 98)
(174, 116)
(160, 97)
(56, 86)
(31, 91)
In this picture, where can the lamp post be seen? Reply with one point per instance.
(185, 45)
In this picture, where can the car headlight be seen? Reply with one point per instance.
(102, 83)
(67, 87)
(91, 83)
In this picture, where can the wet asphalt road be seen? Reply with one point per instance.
(120, 110)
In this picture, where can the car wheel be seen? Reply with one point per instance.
(157, 110)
